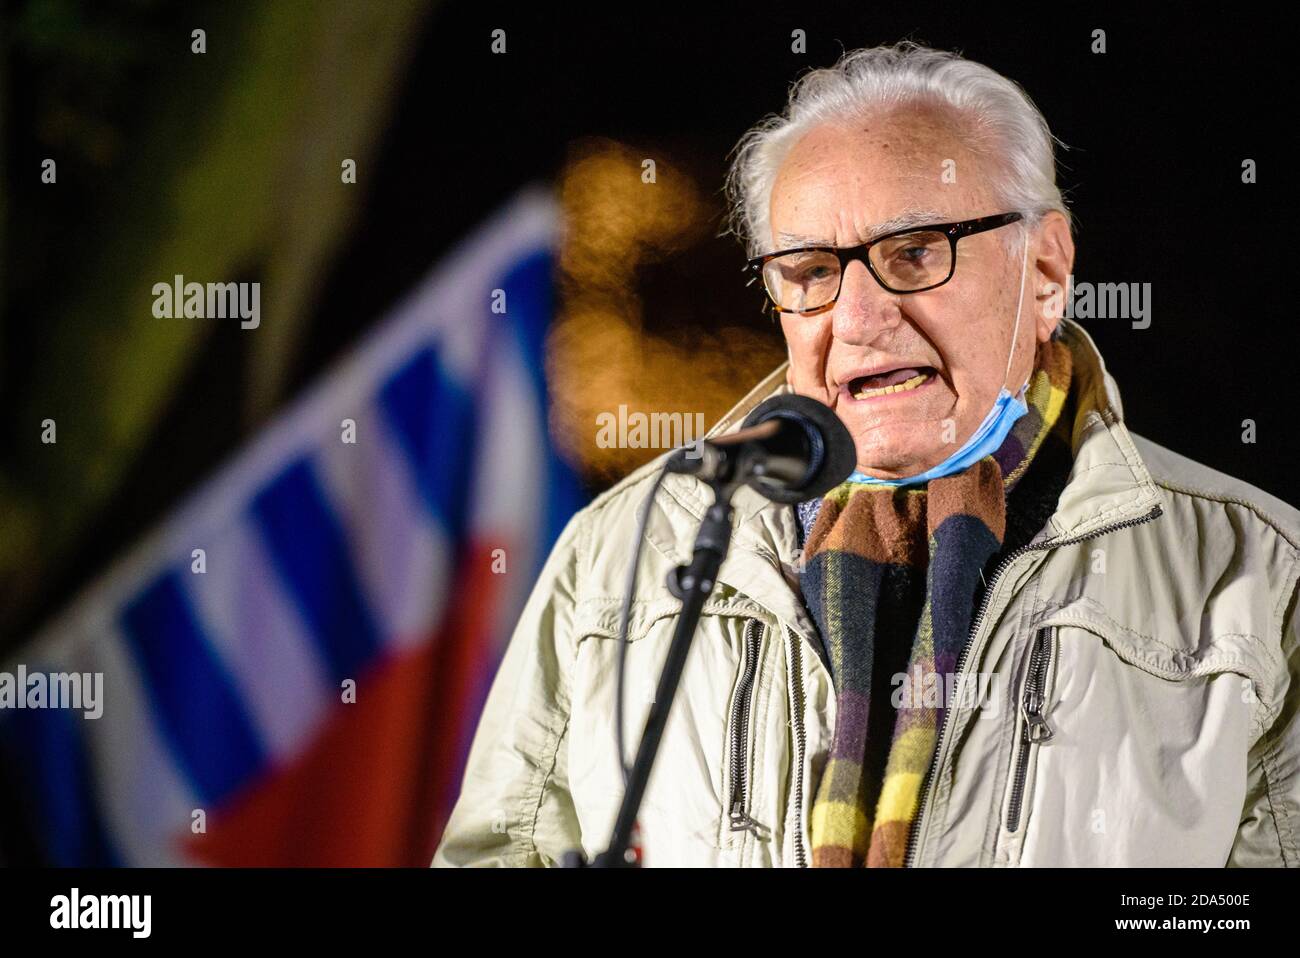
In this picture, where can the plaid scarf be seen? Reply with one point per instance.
(890, 576)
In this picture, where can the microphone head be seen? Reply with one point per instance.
(832, 456)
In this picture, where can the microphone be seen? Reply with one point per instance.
(790, 448)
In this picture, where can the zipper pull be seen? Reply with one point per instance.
(1036, 727)
(740, 820)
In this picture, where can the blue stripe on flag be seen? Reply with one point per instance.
(530, 295)
(192, 695)
(46, 750)
(435, 421)
(310, 551)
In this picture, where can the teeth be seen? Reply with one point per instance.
(904, 386)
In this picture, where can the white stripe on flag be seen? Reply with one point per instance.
(402, 557)
(261, 639)
(510, 479)
(146, 805)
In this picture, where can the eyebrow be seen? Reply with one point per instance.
(910, 217)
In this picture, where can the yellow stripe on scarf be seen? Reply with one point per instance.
(841, 825)
(909, 757)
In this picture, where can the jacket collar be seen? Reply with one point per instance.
(1108, 485)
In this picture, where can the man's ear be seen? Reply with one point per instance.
(1053, 264)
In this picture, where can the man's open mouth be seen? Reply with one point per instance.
(903, 379)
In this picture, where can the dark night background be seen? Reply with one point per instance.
(1158, 127)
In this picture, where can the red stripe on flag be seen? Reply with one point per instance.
(376, 785)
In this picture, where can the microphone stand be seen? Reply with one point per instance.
(692, 584)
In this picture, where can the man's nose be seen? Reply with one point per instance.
(864, 308)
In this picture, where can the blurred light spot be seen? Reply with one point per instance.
(599, 355)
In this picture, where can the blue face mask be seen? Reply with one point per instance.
(988, 438)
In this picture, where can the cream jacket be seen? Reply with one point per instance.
(1138, 658)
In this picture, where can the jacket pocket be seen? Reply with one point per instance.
(684, 812)
(1033, 727)
(1142, 759)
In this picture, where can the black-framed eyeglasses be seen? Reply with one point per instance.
(911, 260)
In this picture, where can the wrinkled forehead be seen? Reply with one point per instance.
(847, 182)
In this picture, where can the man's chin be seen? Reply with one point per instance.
(897, 450)
(896, 465)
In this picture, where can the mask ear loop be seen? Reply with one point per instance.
(1020, 300)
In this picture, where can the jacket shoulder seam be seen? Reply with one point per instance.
(590, 514)
(1223, 499)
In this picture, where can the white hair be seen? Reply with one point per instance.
(998, 117)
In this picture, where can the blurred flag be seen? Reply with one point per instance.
(308, 698)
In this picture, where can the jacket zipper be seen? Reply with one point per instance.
(800, 742)
(739, 815)
(1035, 729)
(910, 856)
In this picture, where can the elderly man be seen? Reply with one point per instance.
(1017, 635)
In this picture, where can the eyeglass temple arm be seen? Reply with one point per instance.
(985, 223)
